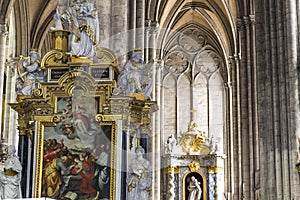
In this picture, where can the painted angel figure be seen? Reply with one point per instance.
(30, 73)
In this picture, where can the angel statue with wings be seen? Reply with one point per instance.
(30, 73)
(136, 76)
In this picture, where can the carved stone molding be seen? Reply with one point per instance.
(192, 40)
(192, 47)
(208, 62)
(176, 62)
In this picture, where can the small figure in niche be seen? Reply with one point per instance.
(194, 189)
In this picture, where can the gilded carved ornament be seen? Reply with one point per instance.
(194, 141)
(172, 169)
(214, 169)
(194, 166)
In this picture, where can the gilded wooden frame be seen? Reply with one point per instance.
(41, 125)
(64, 88)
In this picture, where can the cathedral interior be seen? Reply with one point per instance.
(150, 99)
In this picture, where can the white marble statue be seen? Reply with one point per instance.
(60, 17)
(30, 73)
(11, 177)
(80, 18)
(85, 29)
(194, 189)
(136, 76)
(139, 179)
(170, 144)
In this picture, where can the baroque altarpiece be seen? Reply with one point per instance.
(85, 128)
(76, 136)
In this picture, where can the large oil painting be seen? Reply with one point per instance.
(77, 152)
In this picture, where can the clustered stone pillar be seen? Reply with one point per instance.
(3, 36)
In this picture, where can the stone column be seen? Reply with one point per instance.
(119, 163)
(104, 15)
(171, 171)
(154, 28)
(3, 36)
(292, 61)
(156, 160)
(23, 149)
(140, 24)
(147, 41)
(119, 30)
(10, 116)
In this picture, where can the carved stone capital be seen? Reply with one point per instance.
(247, 21)
(3, 30)
(151, 27)
(240, 23)
(252, 19)
(231, 60)
(10, 65)
(159, 64)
